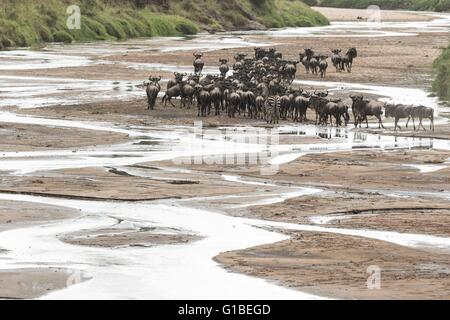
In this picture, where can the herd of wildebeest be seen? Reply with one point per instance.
(261, 87)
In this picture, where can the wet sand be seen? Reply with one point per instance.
(336, 266)
(122, 237)
(31, 283)
(15, 214)
(17, 138)
(336, 14)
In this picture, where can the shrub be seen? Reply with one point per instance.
(62, 36)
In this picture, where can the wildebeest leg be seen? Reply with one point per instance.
(367, 122)
(397, 119)
(170, 100)
(432, 123)
(380, 123)
(421, 124)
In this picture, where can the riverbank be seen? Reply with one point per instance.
(428, 5)
(31, 24)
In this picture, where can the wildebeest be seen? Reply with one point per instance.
(203, 100)
(174, 91)
(399, 111)
(285, 106)
(342, 112)
(198, 63)
(152, 89)
(306, 57)
(314, 65)
(216, 99)
(173, 82)
(224, 67)
(335, 108)
(323, 65)
(363, 108)
(247, 92)
(239, 61)
(289, 71)
(328, 112)
(187, 94)
(233, 103)
(317, 102)
(347, 60)
(423, 112)
(336, 59)
(300, 106)
(259, 104)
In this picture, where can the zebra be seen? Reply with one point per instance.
(272, 108)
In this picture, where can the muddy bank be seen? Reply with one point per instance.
(336, 266)
(19, 137)
(107, 183)
(374, 169)
(32, 283)
(14, 214)
(337, 14)
(127, 237)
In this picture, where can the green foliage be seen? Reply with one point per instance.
(441, 84)
(292, 14)
(29, 23)
(61, 36)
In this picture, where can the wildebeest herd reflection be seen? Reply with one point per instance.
(261, 87)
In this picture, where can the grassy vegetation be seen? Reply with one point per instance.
(432, 5)
(245, 14)
(441, 84)
(279, 13)
(32, 22)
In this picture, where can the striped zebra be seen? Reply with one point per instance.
(272, 109)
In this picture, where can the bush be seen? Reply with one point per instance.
(441, 84)
(186, 27)
(62, 36)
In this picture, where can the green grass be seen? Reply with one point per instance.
(246, 14)
(441, 67)
(432, 5)
(30, 23)
(291, 13)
